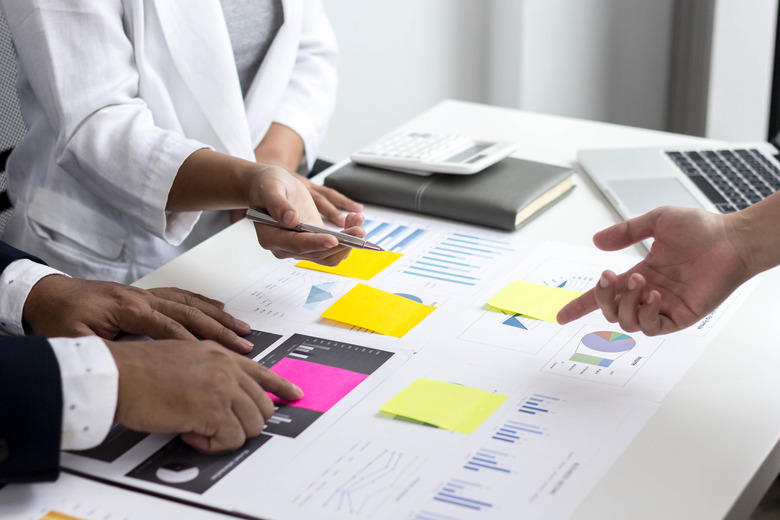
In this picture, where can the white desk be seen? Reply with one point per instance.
(711, 450)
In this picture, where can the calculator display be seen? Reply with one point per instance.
(467, 155)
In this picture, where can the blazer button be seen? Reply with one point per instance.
(3, 450)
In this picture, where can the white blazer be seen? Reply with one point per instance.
(117, 94)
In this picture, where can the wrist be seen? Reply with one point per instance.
(209, 180)
(750, 232)
(281, 146)
(42, 294)
(288, 163)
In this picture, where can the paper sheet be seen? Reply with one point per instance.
(537, 301)
(446, 405)
(380, 311)
(76, 498)
(361, 263)
(578, 393)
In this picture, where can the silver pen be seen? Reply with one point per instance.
(262, 217)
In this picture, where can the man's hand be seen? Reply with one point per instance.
(695, 262)
(214, 398)
(62, 306)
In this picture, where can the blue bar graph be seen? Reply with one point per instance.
(459, 259)
(410, 238)
(486, 459)
(375, 231)
(458, 492)
(393, 237)
(430, 515)
(389, 238)
(537, 404)
(514, 431)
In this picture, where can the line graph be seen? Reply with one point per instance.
(363, 481)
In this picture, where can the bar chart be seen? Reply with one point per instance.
(326, 371)
(459, 258)
(513, 432)
(537, 404)
(393, 236)
(488, 460)
(464, 494)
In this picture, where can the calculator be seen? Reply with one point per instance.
(424, 153)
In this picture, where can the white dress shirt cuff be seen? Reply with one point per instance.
(16, 282)
(90, 386)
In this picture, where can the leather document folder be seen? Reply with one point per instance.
(501, 196)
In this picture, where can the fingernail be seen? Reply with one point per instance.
(242, 324)
(288, 218)
(651, 298)
(631, 284)
(603, 282)
(248, 345)
(298, 390)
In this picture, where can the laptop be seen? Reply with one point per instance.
(720, 179)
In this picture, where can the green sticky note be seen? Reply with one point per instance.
(540, 302)
(446, 405)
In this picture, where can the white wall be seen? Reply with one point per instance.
(596, 59)
(399, 58)
(606, 60)
(741, 69)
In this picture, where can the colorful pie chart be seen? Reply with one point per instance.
(606, 341)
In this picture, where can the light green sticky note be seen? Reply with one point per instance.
(540, 302)
(446, 405)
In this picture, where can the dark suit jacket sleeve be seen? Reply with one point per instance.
(30, 410)
(10, 254)
(30, 401)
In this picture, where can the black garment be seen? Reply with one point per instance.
(30, 402)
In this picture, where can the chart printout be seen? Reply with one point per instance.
(576, 395)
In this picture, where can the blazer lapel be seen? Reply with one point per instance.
(199, 44)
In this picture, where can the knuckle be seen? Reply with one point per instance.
(255, 428)
(193, 314)
(173, 328)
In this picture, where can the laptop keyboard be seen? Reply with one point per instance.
(731, 179)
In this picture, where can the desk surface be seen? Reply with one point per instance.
(711, 449)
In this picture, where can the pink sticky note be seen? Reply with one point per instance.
(322, 386)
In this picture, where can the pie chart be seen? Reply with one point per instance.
(606, 341)
(603, 347)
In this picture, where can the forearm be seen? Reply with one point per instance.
(209, 180)
(753, 231)
(281, 146)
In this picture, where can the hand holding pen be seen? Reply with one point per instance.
(284, 198)
(262, 217)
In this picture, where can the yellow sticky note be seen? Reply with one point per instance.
(361, 263)
(54, 515)
(446, 405)
(541, 302)
(380, 311)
